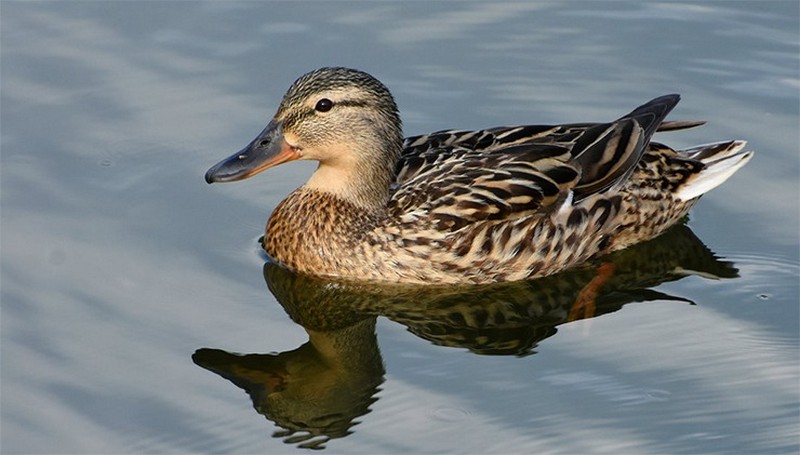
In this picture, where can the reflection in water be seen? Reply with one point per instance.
(317, 390)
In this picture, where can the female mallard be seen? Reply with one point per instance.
(500, 204)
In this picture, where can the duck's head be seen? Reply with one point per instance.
(343, 118)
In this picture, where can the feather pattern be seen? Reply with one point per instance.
(499, 204)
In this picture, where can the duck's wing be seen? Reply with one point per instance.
(452, 178)
(453, 186)
(507, 136)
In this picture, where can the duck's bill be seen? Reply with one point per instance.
(267, 150)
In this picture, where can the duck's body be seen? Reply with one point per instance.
(501, 204)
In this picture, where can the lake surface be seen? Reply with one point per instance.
(128, 284)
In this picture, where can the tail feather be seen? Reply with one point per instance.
(721, 160)
(713, 151)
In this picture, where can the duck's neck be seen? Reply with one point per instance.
(361, 179)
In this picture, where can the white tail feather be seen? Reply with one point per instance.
(718, 168)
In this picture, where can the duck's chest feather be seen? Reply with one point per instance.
(316, 232)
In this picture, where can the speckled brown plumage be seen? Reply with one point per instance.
(501, 204)
(498, 318)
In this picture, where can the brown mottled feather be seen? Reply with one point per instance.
(500, 204)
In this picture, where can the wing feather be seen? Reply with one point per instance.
(454, 186)
(455, 177)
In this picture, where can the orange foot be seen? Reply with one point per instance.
(586, 302)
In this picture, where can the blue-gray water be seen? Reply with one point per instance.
(119, 262)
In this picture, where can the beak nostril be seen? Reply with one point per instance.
(266, 150)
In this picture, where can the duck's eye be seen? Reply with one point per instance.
(324, 105)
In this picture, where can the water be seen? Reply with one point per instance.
(128, 283)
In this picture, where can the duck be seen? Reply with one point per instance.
(466, 206)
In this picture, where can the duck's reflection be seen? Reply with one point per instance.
(316, 391)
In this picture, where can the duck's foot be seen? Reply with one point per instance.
(586, 302)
